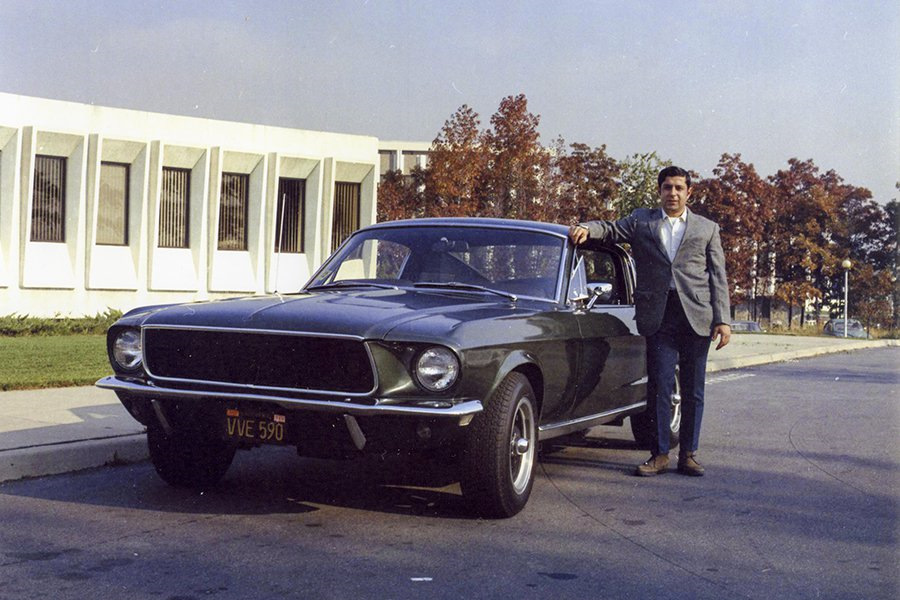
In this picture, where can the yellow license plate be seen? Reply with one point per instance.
(256, 428)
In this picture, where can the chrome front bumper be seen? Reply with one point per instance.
(462, 410)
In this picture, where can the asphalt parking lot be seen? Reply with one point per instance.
(799, 501)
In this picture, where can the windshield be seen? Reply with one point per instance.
(523, 263)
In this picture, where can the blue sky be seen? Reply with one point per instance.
(690, 80)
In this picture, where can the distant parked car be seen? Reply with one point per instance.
(749, 326)
(855, 329)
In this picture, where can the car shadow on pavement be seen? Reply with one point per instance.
(274, 480)
(268, 480)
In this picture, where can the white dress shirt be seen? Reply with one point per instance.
(672, 233)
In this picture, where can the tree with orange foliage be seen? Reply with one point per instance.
(872, 245)
(581, 184)
(806, 206)
(399, 196)
(516, 163)
(740, 201)
(456, 166)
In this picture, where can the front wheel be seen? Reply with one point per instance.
(643, 425)
(498, 461)
(189, 457)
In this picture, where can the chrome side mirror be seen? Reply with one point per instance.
(600, 292)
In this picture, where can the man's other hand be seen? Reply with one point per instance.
(578, 234)
(721, 330)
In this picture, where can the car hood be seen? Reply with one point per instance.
(369, 314)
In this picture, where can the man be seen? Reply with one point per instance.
(681, 302)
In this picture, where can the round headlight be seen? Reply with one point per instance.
(127, 349)
(437, 369)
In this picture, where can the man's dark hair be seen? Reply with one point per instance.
(672, 172)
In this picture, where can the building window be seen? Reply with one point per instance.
(112, 208)
(174, 203)
(289, 216)
(233, 211)
(346, 212)
(411, 160)
(388, 161)
(48, 210)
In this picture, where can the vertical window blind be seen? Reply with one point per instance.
(174, 203)
(346, 212)
(233, 211)
(289, 216)
(48, 209)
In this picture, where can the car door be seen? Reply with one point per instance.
(612, 363)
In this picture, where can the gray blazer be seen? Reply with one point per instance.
(698, 269)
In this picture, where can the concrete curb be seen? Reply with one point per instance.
(765, 359)
(37, 461)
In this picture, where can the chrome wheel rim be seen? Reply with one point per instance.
(521, 445)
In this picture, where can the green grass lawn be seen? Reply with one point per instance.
(52, 361)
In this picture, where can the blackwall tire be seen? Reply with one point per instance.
(189, 458)
(500, 454)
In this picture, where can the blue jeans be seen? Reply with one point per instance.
(676, 342)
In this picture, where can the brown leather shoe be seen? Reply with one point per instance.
(656, 464)
(688, 465)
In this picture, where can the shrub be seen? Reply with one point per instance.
(24, 325)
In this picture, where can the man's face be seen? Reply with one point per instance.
(673, 194)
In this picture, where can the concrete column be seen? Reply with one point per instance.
(326, 224)
(26, 181)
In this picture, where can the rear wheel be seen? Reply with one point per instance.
(189, 457)
(497, 467)
(643, 425)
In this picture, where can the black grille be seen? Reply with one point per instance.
(259, 359)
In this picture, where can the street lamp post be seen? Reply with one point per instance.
(846, 264)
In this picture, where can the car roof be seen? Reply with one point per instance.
(554, 228)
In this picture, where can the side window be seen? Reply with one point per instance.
(602, 266)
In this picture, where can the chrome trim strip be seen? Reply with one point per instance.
(262, 332)
(468, 407)
(345, 336)
(514, 224)
(546, 432)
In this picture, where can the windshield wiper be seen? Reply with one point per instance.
(455, 285)
(346, 284)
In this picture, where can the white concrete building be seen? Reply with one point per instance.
(104, 207)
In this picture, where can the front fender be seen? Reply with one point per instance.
(526, 363)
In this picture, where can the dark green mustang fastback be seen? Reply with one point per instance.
(479, 336)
